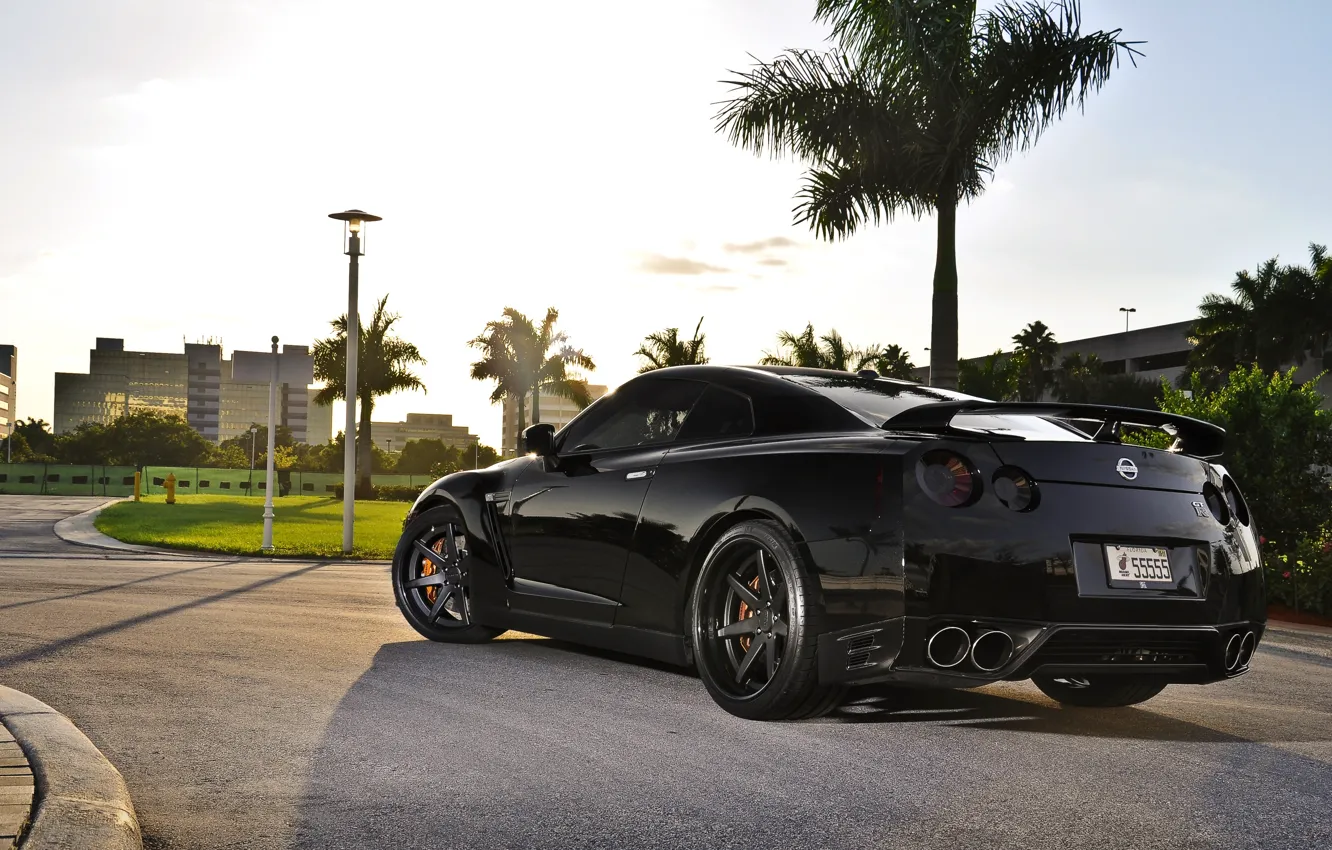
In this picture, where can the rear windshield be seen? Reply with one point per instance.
(877, 401)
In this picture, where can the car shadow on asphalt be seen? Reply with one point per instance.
(1003, 707)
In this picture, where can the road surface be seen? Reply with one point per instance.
(280, 704)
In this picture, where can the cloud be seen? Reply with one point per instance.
(718, 287)
(760, 245)
(659, 264)
(772, 261)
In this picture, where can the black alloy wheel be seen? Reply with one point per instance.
(1099, 691)
(755, 619)
(431, 581)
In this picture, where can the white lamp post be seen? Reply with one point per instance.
(272, 445)
(355, 221)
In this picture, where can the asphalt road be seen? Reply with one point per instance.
(280, 704)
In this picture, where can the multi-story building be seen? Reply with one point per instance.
(392, 436)
(1152, 353)
(555, 410)
(8, 388)
(219, 397)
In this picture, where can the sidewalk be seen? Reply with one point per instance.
(57, 790)
(16, 790)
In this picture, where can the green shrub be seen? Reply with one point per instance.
(386, 492)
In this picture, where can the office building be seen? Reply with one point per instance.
(219, 397)
(555, 410)
(8, 388)
(1151, 353)
(392, 436)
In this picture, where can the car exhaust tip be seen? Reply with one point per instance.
(1233, 652)
(948, 647)
(991, 651)
(1247, 646)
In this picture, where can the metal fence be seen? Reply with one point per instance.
(52, 479)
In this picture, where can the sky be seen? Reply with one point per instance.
(168, 169)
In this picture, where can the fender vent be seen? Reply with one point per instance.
(859, 648)
(491, 520)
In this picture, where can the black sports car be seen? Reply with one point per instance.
(793, 532)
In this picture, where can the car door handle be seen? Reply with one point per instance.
(640, 473)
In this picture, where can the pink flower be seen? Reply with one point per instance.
(1286, 574)
(1262, 540)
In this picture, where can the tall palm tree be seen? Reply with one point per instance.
(829, 351)
(665, 348)
(913, 112)
(1077, 378)
(1036, 347)
(522, 357)
(383, 367)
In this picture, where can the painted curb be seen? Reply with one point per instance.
(81, 800)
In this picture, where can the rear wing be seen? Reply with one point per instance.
(1192, 436)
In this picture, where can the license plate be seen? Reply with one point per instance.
(1138, 566)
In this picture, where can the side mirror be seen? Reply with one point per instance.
(539, 439)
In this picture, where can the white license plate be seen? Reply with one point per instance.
(1141, 566)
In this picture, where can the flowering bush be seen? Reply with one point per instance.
(1302, 579)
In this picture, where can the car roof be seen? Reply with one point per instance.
(761, 380)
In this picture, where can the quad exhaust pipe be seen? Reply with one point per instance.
(1239, 651)
(948, 647)
(951, 645)
(991, 651)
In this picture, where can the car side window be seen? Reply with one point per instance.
(720, 414)
(650, 411)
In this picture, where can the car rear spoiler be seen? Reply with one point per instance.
(1192, 436)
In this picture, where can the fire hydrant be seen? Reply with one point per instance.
(170, 488)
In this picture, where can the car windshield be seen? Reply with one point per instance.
(877, 401)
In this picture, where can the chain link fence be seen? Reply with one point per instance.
(51, 479)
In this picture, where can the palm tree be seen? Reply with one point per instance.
(804, 349)
(1078, 378)
(891, 362)
(1036, 348)
(665, 348)
(993, 377)
(914, 111)
(383, 367)
(517, 355)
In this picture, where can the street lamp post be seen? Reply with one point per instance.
(354, 221)
(272, 446)
(929, 370)
(254, 433)
(1126, 311)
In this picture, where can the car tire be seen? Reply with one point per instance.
(790, 689)
(1103, 692)
(420, 579)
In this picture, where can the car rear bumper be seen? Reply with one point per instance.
(901, 650)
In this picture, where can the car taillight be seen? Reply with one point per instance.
(1238, 508)
(1216, 503)
(948, 479)
(1014, 487)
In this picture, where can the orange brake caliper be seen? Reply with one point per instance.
(745, 612)
(428, 568)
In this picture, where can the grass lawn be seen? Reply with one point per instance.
(302, 525)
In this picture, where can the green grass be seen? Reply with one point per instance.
(307, 526)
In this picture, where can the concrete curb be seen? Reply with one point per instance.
(80, 530)
(81, 798)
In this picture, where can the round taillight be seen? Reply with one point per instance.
(1015, 488)
(1216, 503)
(1235, 501)
(948, 479)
